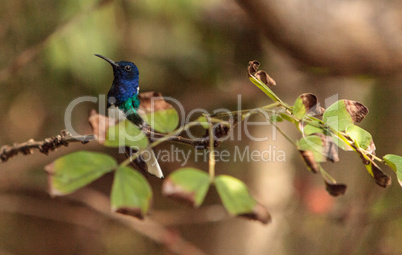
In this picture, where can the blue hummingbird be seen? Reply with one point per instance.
(123, 95)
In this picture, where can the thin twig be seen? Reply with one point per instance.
(45, 146)
(52, 143)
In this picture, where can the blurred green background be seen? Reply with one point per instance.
(196, 52)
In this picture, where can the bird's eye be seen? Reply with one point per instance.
(127, 68)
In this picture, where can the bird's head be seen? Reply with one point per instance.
(123, 70)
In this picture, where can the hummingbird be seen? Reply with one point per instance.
(123, 95)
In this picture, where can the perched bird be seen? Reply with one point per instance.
(123, 95)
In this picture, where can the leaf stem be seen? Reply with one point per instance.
(283, 133)
(211, 151)
(266, 107)
(326, 175)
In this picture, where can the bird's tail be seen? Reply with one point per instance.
(146, 162)
(152, 163)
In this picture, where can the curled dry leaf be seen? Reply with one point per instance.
(379, 176)
(382, 179)
(310, 102)
(252, 67)
(159, 114)
(356, 110)
(252, 70)
(265, 78)
(308, 157)
(99, 124)
(335, 189)
(131, 211)
(259, 213)
(170, 189)
(152, 101)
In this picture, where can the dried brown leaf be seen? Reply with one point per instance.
(309, 101)
(252, 67)
(308, 157)
(335, 189)
(265, 78)
(132, 211)
(380, 177)
(99, 124)
(252, 70)
(152, 102)
(356, 110)
(176, 192)
(259, 213)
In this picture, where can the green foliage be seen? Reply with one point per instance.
(131, 193)
(125, 134)
(76, 170)
(187, 184)
(395, 162)
(299, 110)
(276, 118)
(264, 88)
(234, 194)
(360, 137)
(337, 117)
(313, 127)
(314, 144)
(164, 121)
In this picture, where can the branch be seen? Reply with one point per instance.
(45, 146)
(62, 140)
(199, 143)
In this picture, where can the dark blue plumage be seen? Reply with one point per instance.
(125, 88)
(125, 83)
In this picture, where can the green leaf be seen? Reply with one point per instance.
(264, 88)
(237, 199)
(299, 110)
(188, 185)
(314, 144)
(164, 121)
(360, 136)
(337, 116)
(312, 128)
(287, 117)
(131, 193)
(276, 118)
(395, 162)
(76, 170)
(203, 122)
(126, 133)
(340, 143)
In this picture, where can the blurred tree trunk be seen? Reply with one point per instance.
(348, 37)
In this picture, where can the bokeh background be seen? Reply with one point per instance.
(197, 52)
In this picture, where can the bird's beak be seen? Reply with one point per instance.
(114, 64)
